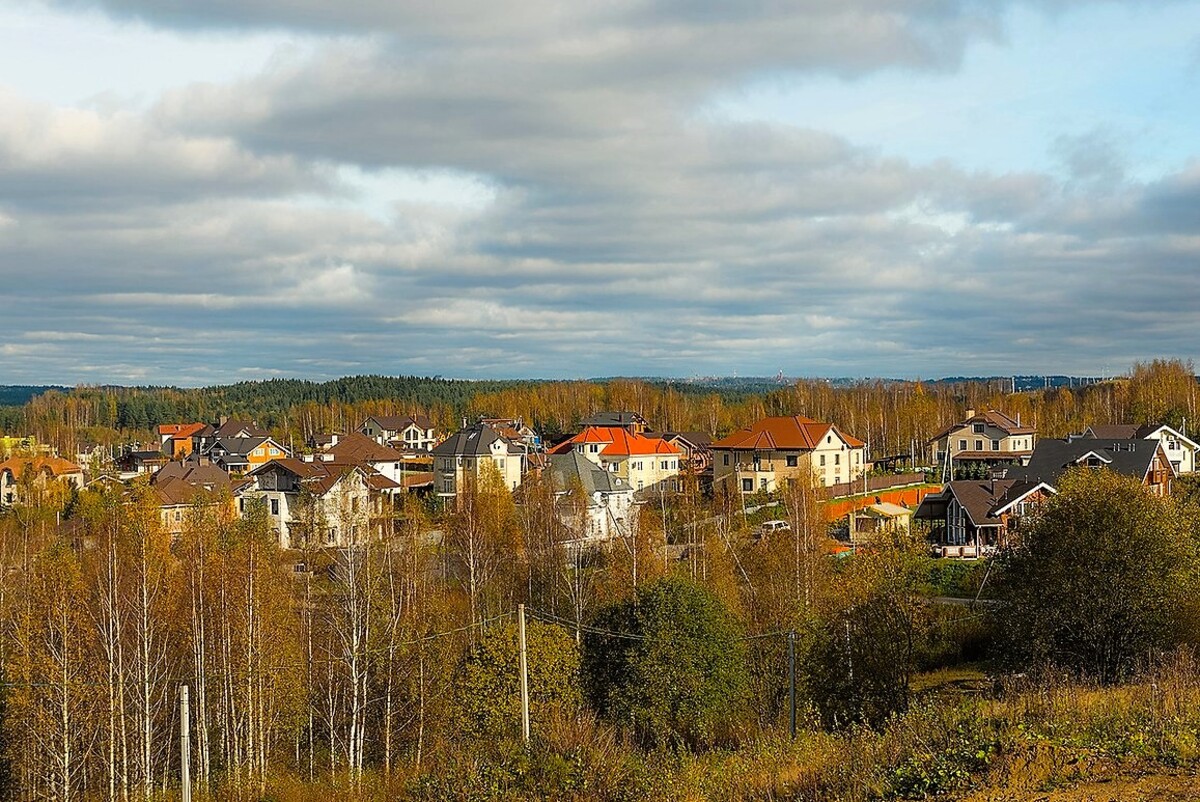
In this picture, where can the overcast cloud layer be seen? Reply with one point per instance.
(543, 189)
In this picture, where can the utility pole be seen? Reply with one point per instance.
(792, 682)
(524, 660)
(185, 768)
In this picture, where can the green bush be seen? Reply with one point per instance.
(677, 673)
(487, 688)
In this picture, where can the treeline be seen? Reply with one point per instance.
(894, 417)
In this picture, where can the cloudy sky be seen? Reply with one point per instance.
(199, 192)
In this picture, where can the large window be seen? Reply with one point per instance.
(792, 460)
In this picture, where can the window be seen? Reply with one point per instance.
(792, 460)
(500, 463)
(274, 506)
(962, 445)
(837, 459)
(447, 485)
(725, 459)
(747, 485)
(979, 445)
(829, 439)
(595, 449)
(178, 515)
(332, 534)
(665, 465)
(822, 460)
(977, 428)
(762, 483)
(995, 445)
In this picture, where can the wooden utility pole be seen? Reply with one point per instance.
(185, 768)
(524, 660)
(792, 682)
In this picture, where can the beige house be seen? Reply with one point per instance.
(989, 437)
(470, 454)
(415, 432)
(318, 503)
(774, 451)
(38, 472)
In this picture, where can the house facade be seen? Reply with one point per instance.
(315, 503)
(607, 498)
(989, 438)
(774, 451)
(470, 454)
(972, 518)
(649, 465)
(39, 473)
(415, 432)
(1180, 449)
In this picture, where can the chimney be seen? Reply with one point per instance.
(306, 457)
(326, 457)
(1018, 418)
(970, 414)
(333, 438)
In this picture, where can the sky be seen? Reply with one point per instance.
(195, 193)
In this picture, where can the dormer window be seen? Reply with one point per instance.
(977, 428)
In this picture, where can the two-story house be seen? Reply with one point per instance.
(315, 502)
(987, 438)
(607, 498)
(470, 454)
(38, 473)
(972, 518)
(650, 465)
(773, 451)
(1181, 450)
(1143, 459)
(414, 432)
(239, 455)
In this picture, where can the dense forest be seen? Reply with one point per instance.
(894, 417)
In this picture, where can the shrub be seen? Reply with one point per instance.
(678, 672)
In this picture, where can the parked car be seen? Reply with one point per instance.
(769, 527)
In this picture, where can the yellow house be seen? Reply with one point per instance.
(766, 455)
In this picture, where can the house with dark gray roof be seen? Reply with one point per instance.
(1144, 460)
(608, 497)
(473, 454)
(1180, 449)
(632, 421)
(415, 432)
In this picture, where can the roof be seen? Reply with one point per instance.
(617, 442)
(237, 446)
(319, 477)
(1051, 458)
(180, 431)
(567, 467)
(190, 472)
(784, 434)
(979, 498)
(56, 466)
(1127, 431)
(992, 418)
(398, 423)
(473, 441)
(886, 509)
(358, 448)
(239, 428)
(175, 490)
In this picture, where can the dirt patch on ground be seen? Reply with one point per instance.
(1182, 787)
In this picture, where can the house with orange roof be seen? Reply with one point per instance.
(176, 438)
(647, 464)
(773, 451)
(38, 471)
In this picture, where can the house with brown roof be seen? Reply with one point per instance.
(649, 465)
(986, 438)
(414, 432)
(407, 467)
(972, 518)
(695, 451)
(773, 451)
(179, 486)
(318, 503)
(38, 472)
